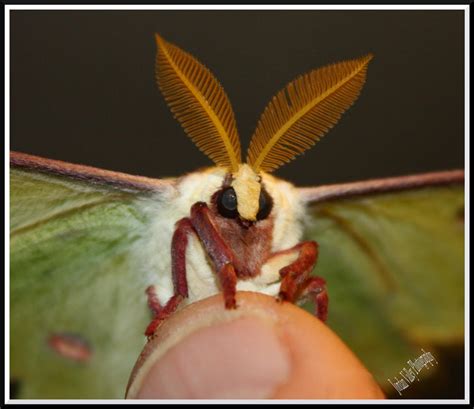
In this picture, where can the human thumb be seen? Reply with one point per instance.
(264, 349)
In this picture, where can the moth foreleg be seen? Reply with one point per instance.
(179, 244)
(295, 282)
(315, 288)
(294, 274)
(163, 313)
(153, 302)
(218, 250)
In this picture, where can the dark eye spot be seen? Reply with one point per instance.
(265, 205)
(227, 203)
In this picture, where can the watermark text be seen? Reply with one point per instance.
(425, 360)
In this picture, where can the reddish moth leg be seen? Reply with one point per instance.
(295, 283)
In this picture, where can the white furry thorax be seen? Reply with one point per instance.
(174, 204)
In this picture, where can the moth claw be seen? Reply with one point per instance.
(152, 327)
(231, 304)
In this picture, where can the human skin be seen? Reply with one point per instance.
(264, 349)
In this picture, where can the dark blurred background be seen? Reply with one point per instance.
(83, 87)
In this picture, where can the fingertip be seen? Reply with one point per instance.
(262, 349)
(323, 367)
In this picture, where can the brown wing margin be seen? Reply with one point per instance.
(88, 173)
(385, 185)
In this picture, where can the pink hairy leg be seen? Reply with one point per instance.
(297, 284)
(179, 244)
(200, 223)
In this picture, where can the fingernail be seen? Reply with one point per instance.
(240, 359)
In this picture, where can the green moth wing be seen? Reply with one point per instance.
(77, 301)
(393, 262)
(392, 254)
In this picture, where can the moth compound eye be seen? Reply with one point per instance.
(265, 205)
(227, 203)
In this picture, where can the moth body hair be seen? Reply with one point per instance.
(175, 203)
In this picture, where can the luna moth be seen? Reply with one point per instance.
(90, 248)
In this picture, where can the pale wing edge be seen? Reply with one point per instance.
(338, 191)
(89, 174)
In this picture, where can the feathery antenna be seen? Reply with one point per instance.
(199, 103)
(301, 113)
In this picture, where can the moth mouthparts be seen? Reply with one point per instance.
(246, 223)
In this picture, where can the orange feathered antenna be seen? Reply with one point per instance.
(294, 120)
(301, 113)
(199, 103)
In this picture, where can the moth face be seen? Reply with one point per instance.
(244, 198)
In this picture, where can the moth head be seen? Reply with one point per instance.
(244, 197)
